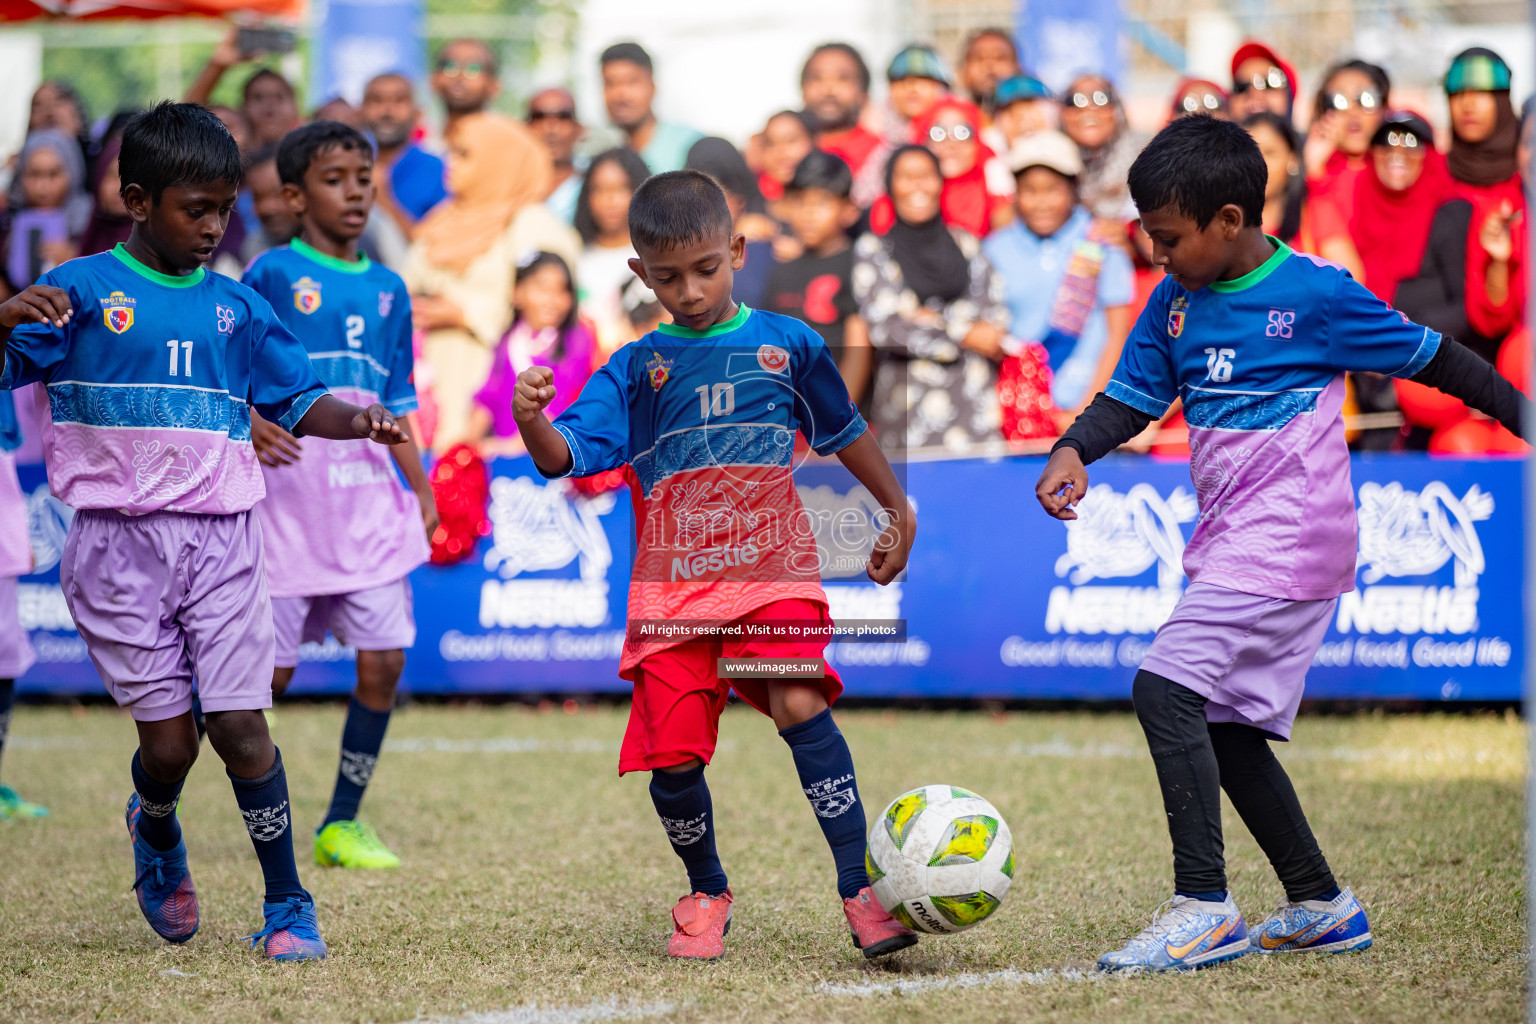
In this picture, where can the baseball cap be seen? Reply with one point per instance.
(1400, 122)
(1046, 149)
(1255, 49)
(1019, 88)
(919, 61)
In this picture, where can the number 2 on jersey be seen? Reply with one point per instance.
(1218, 364)
(186, 347)
(354, 331)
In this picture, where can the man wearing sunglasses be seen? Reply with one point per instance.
(464, 76)
(552, 117)
(1261, 81)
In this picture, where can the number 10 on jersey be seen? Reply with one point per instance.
(719, 400)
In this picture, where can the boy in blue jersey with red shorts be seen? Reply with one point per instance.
(341, 533)
(705, 410)
(1255, 339)
(152, 366)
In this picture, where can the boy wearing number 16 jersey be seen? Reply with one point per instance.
(337, 565)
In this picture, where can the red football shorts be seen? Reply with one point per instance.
(675, 715)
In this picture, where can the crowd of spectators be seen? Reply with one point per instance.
(968, 248)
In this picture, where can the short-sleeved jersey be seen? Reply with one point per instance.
(707, 420)
(150, 386)
(1259, 362)
(338, 520)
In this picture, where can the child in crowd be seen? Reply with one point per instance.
(546, 331)
(16, 655)
(152, 365)
(817, 286)
(341, 534)
(1255, 339)
(602, 220)
(705, 410)
(52, 208)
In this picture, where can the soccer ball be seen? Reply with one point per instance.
(940, 859)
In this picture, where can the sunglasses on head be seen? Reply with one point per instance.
(1367, 100)
(1096, 98)
(552, 115)
(1274, 78)
(455, 69)
(1196, 103)
(960, 133)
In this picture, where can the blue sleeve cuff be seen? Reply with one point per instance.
(1135, 399)
(1421, 358)
(289, 421)
(402, 406)
(578, 464)
(843, 438)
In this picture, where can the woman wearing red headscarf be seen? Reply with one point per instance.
(1403, 183)
(976, 197)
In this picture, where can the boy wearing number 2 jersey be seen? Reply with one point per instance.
(337, 565)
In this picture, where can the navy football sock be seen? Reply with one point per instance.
(688, 815)
(7, 701)
(826, 775)
(264, 805)
(157, 823)
(1219, 896)
(361, 740)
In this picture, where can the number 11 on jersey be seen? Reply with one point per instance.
(186, 347)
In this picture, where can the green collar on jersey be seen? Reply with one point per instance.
(169, 280)
(742, 312)
(309, 252)
(1258, 273)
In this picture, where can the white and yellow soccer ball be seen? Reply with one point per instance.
(940, 859)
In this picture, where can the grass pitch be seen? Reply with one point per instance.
(536, 885)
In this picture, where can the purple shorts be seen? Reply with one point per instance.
(1248, 656)
(16, 654)
(164, 598)
(377, 619)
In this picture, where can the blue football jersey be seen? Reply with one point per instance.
(151, 383)
(1259, 363)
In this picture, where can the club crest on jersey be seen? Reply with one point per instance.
(386, 303)
(1176, 315)
(226, 319)
(658, 370)
(306, 295)
(772, 358)
(117, 312)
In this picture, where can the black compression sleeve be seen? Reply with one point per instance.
(1105, 425)
(1461, 373)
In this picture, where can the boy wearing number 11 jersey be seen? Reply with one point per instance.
(336, 564)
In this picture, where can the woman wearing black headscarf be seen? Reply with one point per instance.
(937, 318)
(1472, 282)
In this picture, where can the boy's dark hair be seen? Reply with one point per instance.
(1197, 165)
(299, 148)
(245, 90)
(177, 144)
(847, 51)
(632, 53)
(634, 169)
(822, 170)
(678, 208)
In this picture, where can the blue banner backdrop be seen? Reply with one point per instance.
(358, 39)
(1058, 42)
(1000, 602)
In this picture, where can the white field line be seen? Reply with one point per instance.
(533, 1013)
(914, 986)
